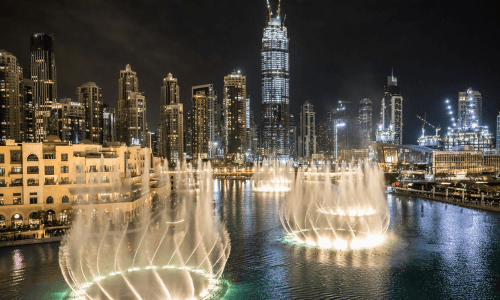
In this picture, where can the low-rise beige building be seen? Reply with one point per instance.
(56, 179)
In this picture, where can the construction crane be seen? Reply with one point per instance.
(425, 122)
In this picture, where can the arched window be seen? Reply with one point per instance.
(65, 199)
(32, 157)
(50, 216)
(17, 220)
(79, 199)
(34, 219)
(50, 200)
(2, 222)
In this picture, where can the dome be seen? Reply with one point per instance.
(365, 101)
(86, 141)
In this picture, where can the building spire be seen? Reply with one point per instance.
(279, 4)
(392, 72)
(269, 8)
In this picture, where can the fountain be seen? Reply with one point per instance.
(177, 251)
(349, 214)
(273, 176)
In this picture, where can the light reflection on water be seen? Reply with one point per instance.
(435, 251)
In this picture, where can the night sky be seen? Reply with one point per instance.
(338, 49)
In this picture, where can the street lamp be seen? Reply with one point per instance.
(337, 123)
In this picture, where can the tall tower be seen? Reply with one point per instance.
(275, 88)
(307, 138)
(234, 115)
(209, 100)
(199, 124)
(11, 97)
(470, 109)
(171, 121)
(90, 96)
(394, 100)
(128, 82)
(365, 123)
(43, 74)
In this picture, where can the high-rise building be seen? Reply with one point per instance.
(207, 96)
(248, 125)
(323, 141)
(43, 74)
(293, 137)
(498, 132)
(11, 97)
(188, 136)
(393, 99)
(128, 82)
(234, 115)
(110, 124)
(28, 112)
(344, 123)
(90, 96)
(275, 88)
(307, 138)
(365, 123)
(137, 130)
(470, 109)
(68, 121)
(254, 138)
(171, 121)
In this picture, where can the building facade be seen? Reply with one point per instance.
(137, 130)
(28, 112)
(470, 109)
(60, 179)
(275, 89)
(199, 132)
(11, 97)
(109, 130)
(68, 121)
(393, 98)
(208, 97)
(43, 74)
(365, 123)
(234, 115)
(171, 120)
(127, 83)
(307, 138)
(90, 96)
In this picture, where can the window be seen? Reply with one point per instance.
(79, 169)
(17, 170)
(50, 200)
(2, 171)
(2, 159)
(17, 201)
(65, 199)
(49, 156)
(32, 169)
(32, 182)
(32, 157)
(49, 170)
(1, 199)
(64, 169)
(64, 156)
(33, 200)
(2, 183)
(15, 156)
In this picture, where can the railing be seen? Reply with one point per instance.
(3, 184)
(32, 172)
(32, 159)
(65, 182)
(15, 161)
(50, 182)
(33, 183)
(16, 172)
(16, 184)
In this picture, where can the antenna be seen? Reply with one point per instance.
(279, 4)
(269, 8)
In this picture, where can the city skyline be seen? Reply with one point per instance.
(430, 63)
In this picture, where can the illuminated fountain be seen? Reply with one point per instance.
(273, 176)
(177, 251)
(349, 214)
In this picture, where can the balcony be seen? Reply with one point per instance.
(61, 182)
(32, 172)
(16, 184)
(3, 184)
(50, 182)
(16, 172)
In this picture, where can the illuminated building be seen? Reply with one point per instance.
(307, 138)
(127, 82)
(60, 178)
(137, 130)
(275, 88)
(365, 123)
(110, 124)
(234, 115)
(28, 112)
(68, 121)
(90, 96)
(43, 74)
(171, 121)
(210, 102)
(470, 109)
(393, 99)
(347, 135)
(11, 97)
(199, 125)
(498, 131)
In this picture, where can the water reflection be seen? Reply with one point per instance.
(444, 252)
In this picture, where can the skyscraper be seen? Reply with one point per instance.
(137, 130)
(28, 112)
(199, 124)
(209, 100)
(128, 82)
(11, 97)
(43, 74)
(307, 138)
(234, 115)
(470, 109)
(275, 88)
(109, 124)
(393, 98)
(171, 121)
(365, 123)
(68, 121)
(90, 96)
(498, 132)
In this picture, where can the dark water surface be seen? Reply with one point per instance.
(434, 251)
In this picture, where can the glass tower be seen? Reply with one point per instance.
(275, 89)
